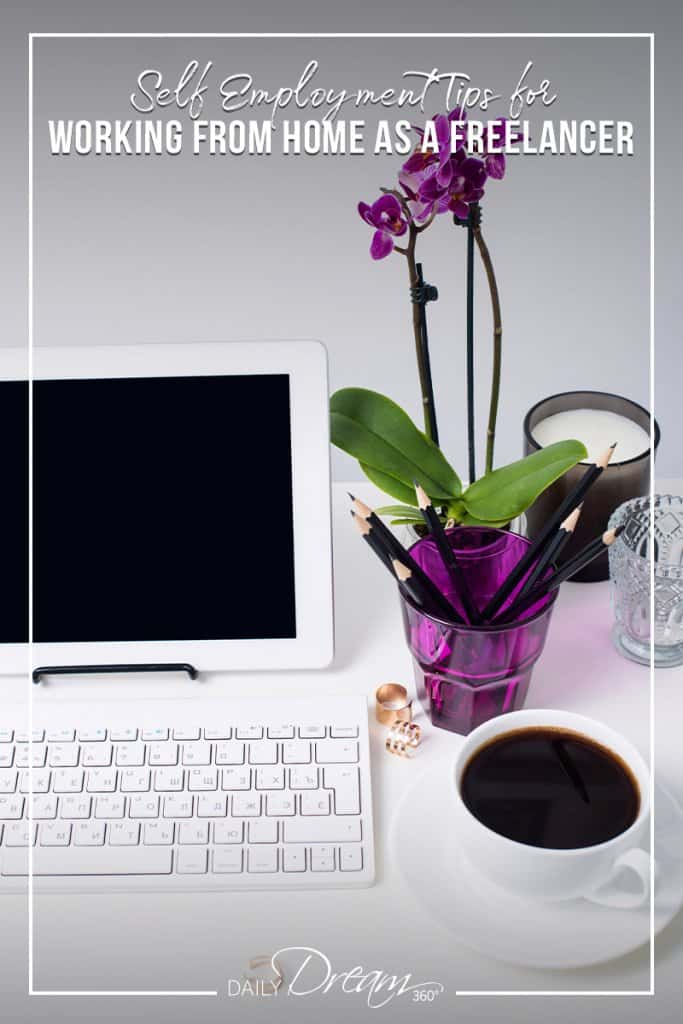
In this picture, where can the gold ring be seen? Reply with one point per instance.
(268, 973)
(403, 739)
(392, 704)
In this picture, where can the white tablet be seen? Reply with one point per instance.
(181, 506)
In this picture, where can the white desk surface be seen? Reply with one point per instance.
(147, 941)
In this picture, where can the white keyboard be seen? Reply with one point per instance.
(204, 794)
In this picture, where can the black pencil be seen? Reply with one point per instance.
(551, 551)
(569, 569)
(573, 499)
(388, 548)
(372, 539)
(448, 556)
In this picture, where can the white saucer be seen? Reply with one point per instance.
(498, 923)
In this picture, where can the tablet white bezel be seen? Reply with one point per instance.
(305, 363)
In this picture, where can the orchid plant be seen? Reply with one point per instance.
(392, 451)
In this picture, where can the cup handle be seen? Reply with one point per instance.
(637, 862)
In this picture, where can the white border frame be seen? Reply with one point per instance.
(362, 35)
(305, 365)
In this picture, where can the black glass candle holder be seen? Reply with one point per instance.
(618, 483)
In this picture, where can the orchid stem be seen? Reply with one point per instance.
(497, 346)
(421, 345)
(470, 346)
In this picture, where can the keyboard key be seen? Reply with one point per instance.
(336, 752)
(202, 779)
(281, 732)
(61, 735)
(219, 733)
(8, 781)
(41, 781)
(322, 830)
(262, 860)
(96, 755)
(249, 732)
(191, 833)
(130, 755)
(146, 806)
(246, 805)
(263, 831)
(227, 861)
(345, 781)
(228, 832)
(351, 858)
(158, 833)
(101, 780)
(169, 781)
(296, 752)
(303, 778)
(141, 860)
(280, 804)
(44, 807)
(127, 735)
(191, 861)
(55, 833)
(312, 732)
(294, 858)
(18, 832)
(212, 805)
(11, 807)
(89, 833)
(322, 858)
(179, 806)
(110, 806)
(263, 752)
(197, 753)
(75, 806)
(124, 833)
(38, 736)
(186, 734)
(315, 802)
(163, 753)
(344, 732)
(6, 756)
(236, 778)
(38, 756)
(6, 735)
(67, 780)
(270, 778)
(135, 780)
(155, 735)
(230, 752)
(63, 755)
(92, 735)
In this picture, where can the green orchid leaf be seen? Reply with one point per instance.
(507, 492)
(407, 522)
(389, 484)
(404, 511)
(378, 433)
(470, 520)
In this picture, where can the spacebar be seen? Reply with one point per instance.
(98, 860)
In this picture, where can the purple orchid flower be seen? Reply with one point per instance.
(388, 219)
(467, 183)
(494, 135)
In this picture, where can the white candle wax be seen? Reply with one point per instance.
(597, 429)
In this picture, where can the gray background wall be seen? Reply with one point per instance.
(191, 247)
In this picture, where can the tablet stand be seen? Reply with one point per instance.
(72, 670)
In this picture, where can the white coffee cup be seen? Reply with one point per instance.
(597, 873)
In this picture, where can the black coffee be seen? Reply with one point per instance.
(551, 788)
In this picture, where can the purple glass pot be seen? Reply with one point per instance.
(468, 674)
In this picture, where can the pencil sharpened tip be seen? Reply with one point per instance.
(351, 496)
